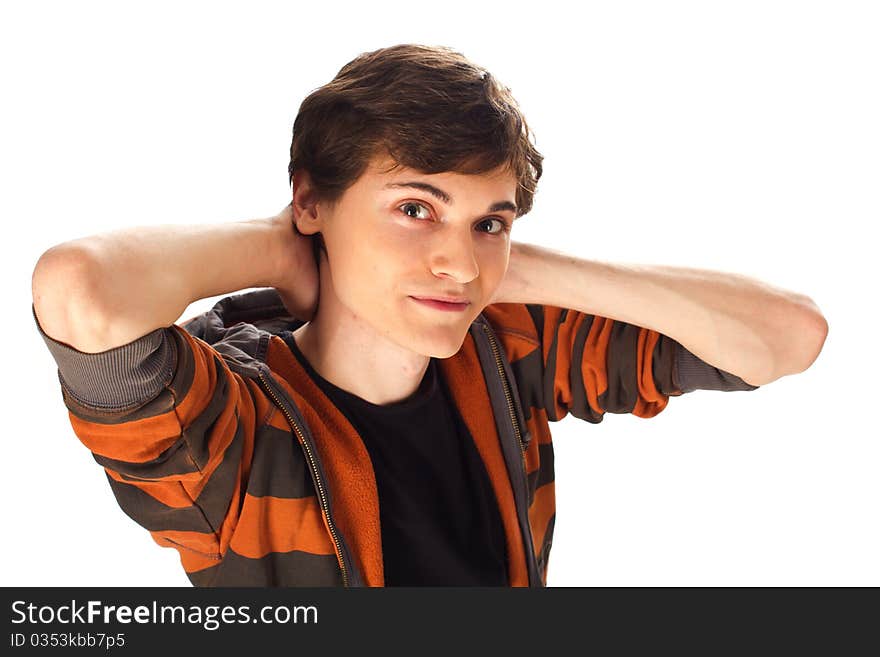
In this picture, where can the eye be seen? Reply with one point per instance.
(411, 204)
(503, 226)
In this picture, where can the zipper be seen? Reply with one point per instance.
(322, 495)
(507, 394)
(519, 434)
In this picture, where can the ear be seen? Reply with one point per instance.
(305, 207)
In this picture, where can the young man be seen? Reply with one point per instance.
(341, 428)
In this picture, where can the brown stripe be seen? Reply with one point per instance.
(528, 372)
(280, 468)
(650, 400)
(663, 360)
(543, 473)
(176, 462)
(556, 408)
(275, 569)
(621, 368)
(544, 554)
(209, 429)
(152, 514)
(580, 408)
(197, 550)
(542, 509)
(218, 491)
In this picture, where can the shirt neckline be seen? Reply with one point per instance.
(426, 391)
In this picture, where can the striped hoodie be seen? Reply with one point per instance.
(216, 441)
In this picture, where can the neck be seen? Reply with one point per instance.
(352, 355)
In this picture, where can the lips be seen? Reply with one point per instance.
(439, 304)
(445, 299)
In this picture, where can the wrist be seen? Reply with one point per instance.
(513, 287)
(279, 250)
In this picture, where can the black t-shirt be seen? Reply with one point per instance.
(438, 512)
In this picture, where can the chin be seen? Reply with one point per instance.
(437, 348)
(446, 353)
(446, 349)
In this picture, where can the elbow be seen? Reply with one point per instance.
(796, 347)
(800, 346)
(62, 264)
(809, 335)
(815, 333)
(63, 285)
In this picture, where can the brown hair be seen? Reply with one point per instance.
(428, 107)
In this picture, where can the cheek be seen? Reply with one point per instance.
(493, 267)
(370, 275)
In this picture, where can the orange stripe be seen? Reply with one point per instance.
(275, 524)
(135, 442)
(594, 368)
(204, 379)
(169, 493)
(514, 327)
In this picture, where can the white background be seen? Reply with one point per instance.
(733, 136)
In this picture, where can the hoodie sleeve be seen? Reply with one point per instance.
(173, 428)
(566, 361)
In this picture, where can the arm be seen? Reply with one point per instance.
(99, 292)
(174, 427)
(737, 324)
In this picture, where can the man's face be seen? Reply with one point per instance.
(388, 243)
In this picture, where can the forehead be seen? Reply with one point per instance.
(379, 172)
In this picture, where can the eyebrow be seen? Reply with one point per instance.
(498, 206)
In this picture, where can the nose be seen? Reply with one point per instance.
(453, 256)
